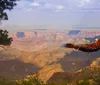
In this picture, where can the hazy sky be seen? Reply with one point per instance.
(55, 14)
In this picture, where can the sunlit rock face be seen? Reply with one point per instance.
(41, 51)
(46, 72)
(96, 63)
(39, 40)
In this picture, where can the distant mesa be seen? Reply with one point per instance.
(74, 32)
(20, 34)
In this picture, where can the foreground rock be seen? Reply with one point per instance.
(46, 72)
(91, 72)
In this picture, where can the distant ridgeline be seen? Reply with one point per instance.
(20, 34)
(93, 39)
(74, 32)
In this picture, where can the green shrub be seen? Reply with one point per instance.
(83, 82)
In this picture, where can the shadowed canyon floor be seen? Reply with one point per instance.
(16, 64)
(77, 60)
(16, 69)
(43, 53)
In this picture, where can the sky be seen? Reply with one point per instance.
(58, 14)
